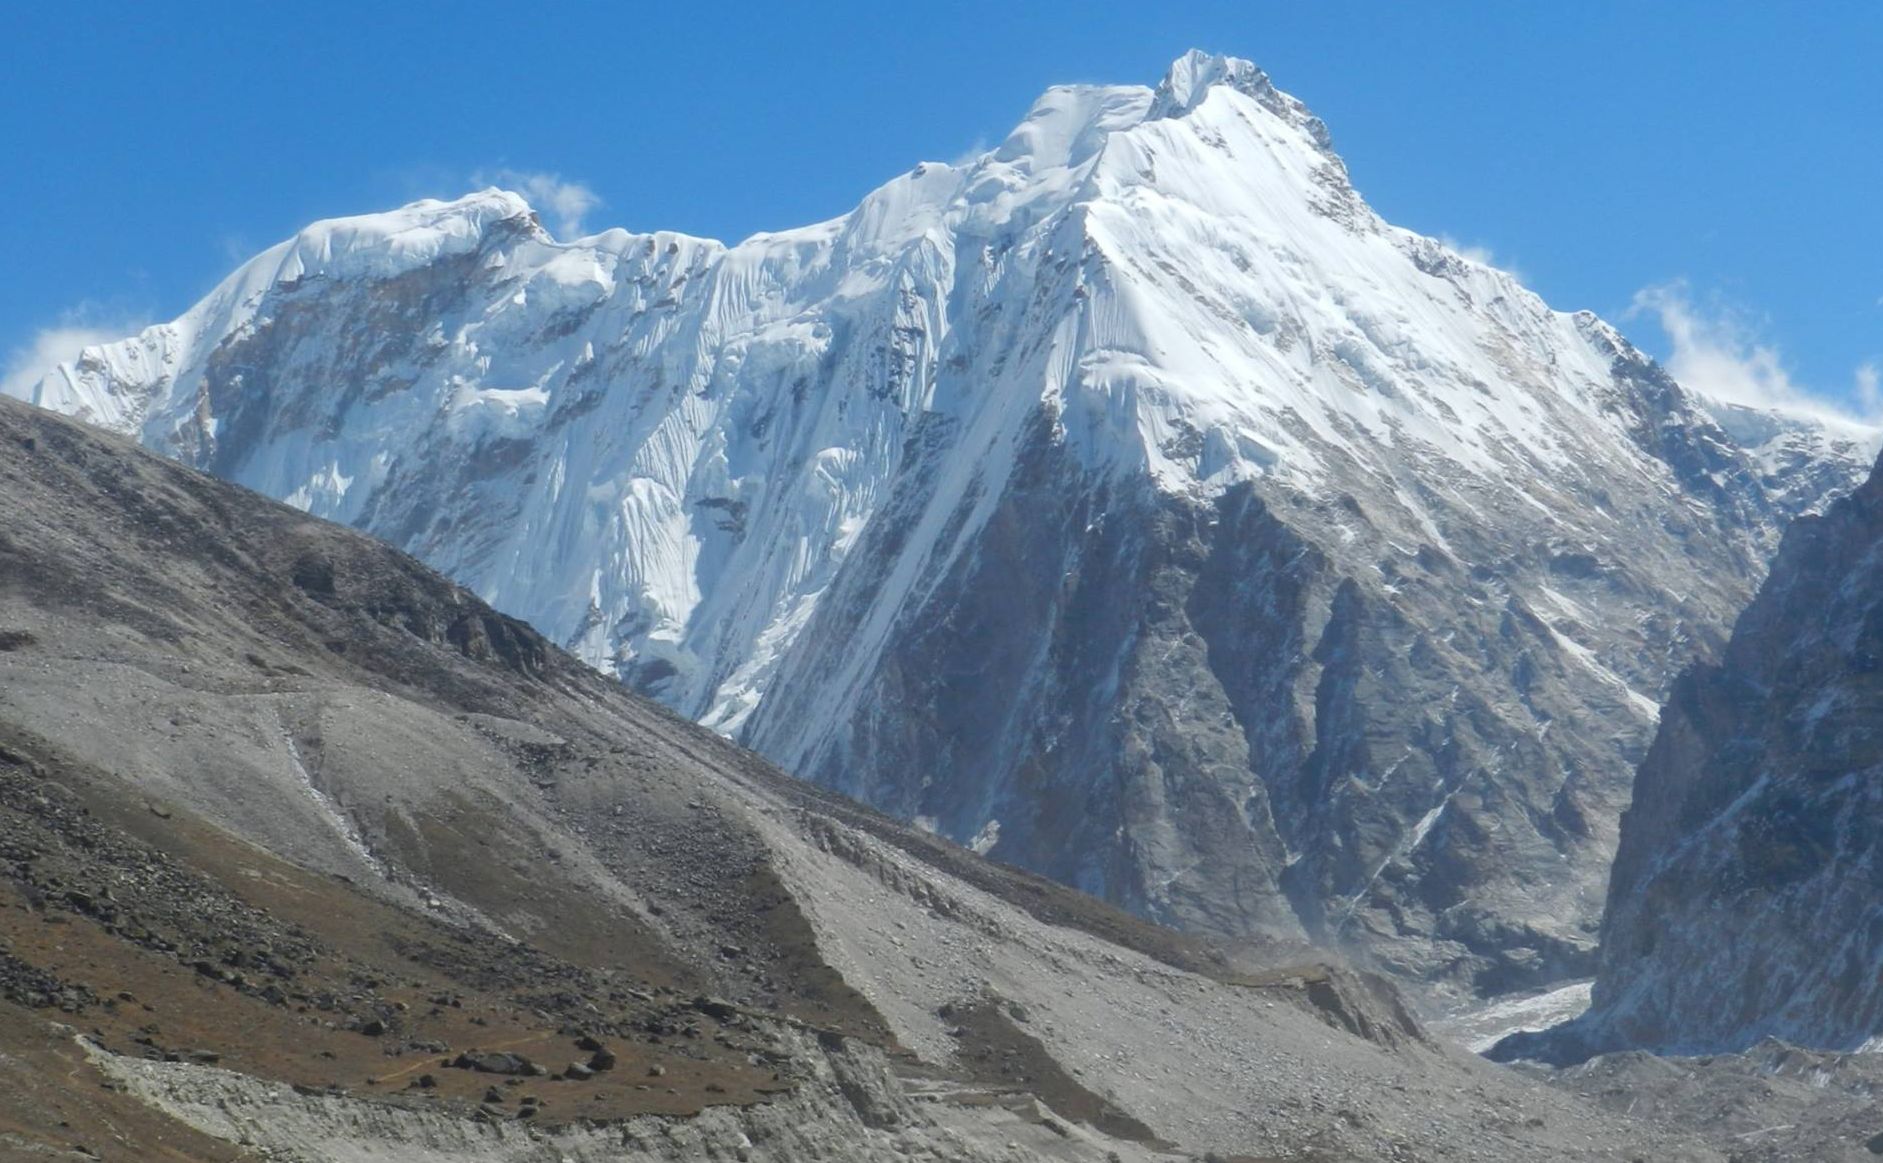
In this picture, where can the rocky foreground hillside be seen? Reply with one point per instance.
(1747, 898)
(1130, 503)
(307, 854)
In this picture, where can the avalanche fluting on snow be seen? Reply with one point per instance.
(1130, 501)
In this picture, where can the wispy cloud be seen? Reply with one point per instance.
(28, 363)
(970, 155)
(1480, 253)
(1717, 349)
(562, 201)
(236, 249)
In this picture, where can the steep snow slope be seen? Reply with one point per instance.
(1747, 899)
(1130, 502)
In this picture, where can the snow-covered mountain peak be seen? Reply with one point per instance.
(390, 243)
(996, 409)
(121, 385)
(1191, 76)
(1069, 124)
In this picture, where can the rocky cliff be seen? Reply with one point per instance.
(1747, 896)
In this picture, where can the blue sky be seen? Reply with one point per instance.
(1714, 167)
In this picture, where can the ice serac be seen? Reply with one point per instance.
(1130, 503)
(1747, 899)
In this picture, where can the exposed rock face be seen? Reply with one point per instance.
(1130, 503)
(1747, 897)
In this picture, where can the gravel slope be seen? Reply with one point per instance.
(336, 823)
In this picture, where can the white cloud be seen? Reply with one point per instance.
(970, 155)
(27, 364)
(1717, 350)
(563, 202)
(1480, 254)
(236, 249)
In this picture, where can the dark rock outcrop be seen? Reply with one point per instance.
(1747, 895)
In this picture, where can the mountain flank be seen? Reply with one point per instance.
(306, 850)
(1129, 503)
(1747, 899)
